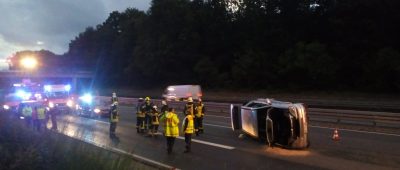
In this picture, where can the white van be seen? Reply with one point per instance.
(182, 92)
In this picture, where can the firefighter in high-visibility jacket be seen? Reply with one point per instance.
(114, 118)
(140, 117)
(41, 115)
(171, 128)
(114, 97)
(154, 121)
(147, 109)
(198, 120)
(188, 129)
(190, 108)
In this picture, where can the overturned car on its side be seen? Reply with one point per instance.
(275, 122)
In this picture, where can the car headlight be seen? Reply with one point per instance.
(6, 107)
(70, 103)
(51, 104)
(96, 110)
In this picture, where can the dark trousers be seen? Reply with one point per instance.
(170, 143)
(38, 124)
(28, 121)
(139, 123)
(147, 122)
(154, 128)
(113, 126)
(188, 141)
(54, 121)
(199, 121)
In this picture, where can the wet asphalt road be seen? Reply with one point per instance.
(221, 148)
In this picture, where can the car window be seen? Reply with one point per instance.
(255, 104)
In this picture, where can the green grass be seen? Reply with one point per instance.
(24, 148)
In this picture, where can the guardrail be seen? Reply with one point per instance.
(339, 116)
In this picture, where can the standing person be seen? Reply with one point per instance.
(114, 118)
(171, 129)
(154, 121)
(35, 117)
(190, 109)
(53, 117)
(200, 109)
(188, 129)
(139, 116)
(147, 109)
(27, 113)
(114, 97)
(41, 114)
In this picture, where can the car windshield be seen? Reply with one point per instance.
(54, 95)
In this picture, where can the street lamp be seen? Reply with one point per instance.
(29, 63)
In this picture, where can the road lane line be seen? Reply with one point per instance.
(209, 143)
(359, 131)
(114, 149)
(145, 159)
(321, 127)
(217, 126)
(225, 117)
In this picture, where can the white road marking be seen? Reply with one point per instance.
(146, 159)
(217, 126)
(359, 131)
(209, 143)
(114, 149)
(225, 117)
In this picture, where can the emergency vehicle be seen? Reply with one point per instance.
(58, 97)
(21, 92)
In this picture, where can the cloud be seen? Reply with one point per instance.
(53, 23)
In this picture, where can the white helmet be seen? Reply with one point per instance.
(163, 102)
(114, 94)
(190, 99)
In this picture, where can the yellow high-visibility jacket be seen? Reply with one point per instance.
(171, 122)
(27, 111)
(188, 124)
(200, 110)
(41, 113)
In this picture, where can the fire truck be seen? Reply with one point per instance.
(20, 92)
(58, 97)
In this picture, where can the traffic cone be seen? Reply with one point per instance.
(335, 136)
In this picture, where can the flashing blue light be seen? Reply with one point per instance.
(67, 87)
(47, 88)
(24, 95)
(21, 93)
(87, 98)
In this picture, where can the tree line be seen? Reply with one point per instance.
(247, 44)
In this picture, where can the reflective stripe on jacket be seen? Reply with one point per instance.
(154, 119)
(171, 122)
(188, 124)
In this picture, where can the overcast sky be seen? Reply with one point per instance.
(52, 24)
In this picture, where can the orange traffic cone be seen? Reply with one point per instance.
(335, 136)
